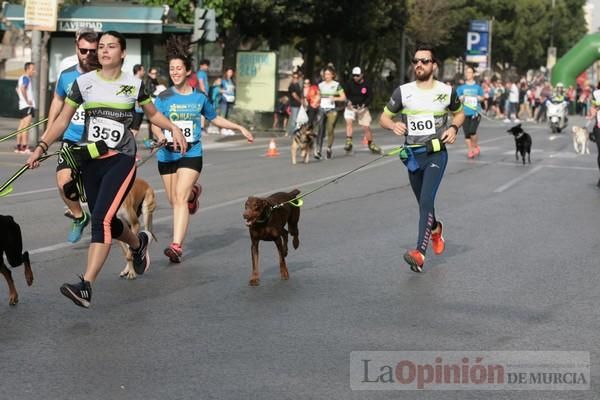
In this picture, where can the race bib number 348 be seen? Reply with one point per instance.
(421, 125)
(110, 131)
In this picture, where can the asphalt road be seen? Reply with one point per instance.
(520, 273)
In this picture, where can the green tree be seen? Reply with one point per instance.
(183, 8)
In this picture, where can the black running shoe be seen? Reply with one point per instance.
(329, 153)
(318, 155)
(141, 259)
(80, 293)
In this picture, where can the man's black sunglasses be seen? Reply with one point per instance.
(424, 61)
(85, 51)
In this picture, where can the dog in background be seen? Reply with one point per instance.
(580, 140)
(266, 223)
(303, 140)
(11, 244)
(522, 143)
(140, 202)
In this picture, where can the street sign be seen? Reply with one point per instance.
(477, 25)
(477, 43)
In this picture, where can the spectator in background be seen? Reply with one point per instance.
(295, 101)
(523, 103)
(26, 107)
(282, 112)
(513, 103)
(138, 113)
(202, 76)
(227, 92)
(571, 99)
(152, 82)
(215, 94)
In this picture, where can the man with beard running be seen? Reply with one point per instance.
(86, 45)
(423, 106)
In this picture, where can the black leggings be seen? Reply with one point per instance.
(107, 182)
(425, 183)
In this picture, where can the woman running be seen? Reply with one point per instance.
(108, 97)
(180, 172)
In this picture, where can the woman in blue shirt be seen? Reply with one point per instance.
(184, 106)
(227, 93)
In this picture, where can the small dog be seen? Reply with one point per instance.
(266, 223)
(522, 142)
(304, 139)
(580, 140)
(11, 244)
(140, 202)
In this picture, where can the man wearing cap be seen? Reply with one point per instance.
(359, 96)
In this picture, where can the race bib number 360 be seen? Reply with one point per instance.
(187, 128)
(110, 131)
(421, 125)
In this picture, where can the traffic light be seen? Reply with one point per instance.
(211, 34)
(200, 22)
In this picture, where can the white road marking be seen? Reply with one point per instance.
(518, 179)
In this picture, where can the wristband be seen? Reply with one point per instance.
(41, 144)
(455, 127)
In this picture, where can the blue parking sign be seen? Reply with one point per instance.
(477, 43)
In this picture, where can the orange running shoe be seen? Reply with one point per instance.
(471, 154)
(194, 203)
(437, 240)
(476, 151)
(174, 252)
(415, 259)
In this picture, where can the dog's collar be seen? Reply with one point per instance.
(265, 215)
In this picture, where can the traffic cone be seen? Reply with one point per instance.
(365, 142)
(272, 151)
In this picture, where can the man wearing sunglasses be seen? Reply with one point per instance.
(86, 45)
(423, 107)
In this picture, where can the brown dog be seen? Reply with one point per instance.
(11, 244)
(303, 140)
(140, 202)
(266, 223)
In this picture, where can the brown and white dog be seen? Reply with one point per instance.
(140, 202)
(303, 140)
(267, 223)
(11, 245)
(580, 140)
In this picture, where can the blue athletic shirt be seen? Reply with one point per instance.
(184, 110)
(202, 76)
(63, 87)
(470, 100)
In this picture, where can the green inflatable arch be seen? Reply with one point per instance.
(577, 60)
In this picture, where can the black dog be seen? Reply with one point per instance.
(522, 142)
(11, 244)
